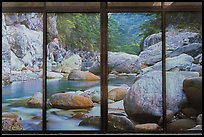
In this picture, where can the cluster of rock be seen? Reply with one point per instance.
(11, 122)
(22, 44)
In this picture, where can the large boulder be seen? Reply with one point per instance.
(151, 54)
(70, 101)
(119, 61)
(145, 95)
(181, 124)
(152, 39)
(82, 75)
(117, 94)
(193, 90)
(36, 100)
(73, 62)
(193, 50)
(183, 62)
(115, 123)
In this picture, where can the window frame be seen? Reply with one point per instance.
(103, 11)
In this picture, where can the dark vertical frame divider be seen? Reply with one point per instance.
(163, 30)
(104, 67)
(44, 127)
(103, 11)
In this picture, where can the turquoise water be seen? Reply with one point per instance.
(32, 117)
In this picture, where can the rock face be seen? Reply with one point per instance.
(26, 44)
(33, 21)
(35, 100)
(176, 43)
(55, 51)
(10, 122)
(145, 95)
(120, 62)
(16, 63)
(81, 75)
(22, 44)
(6, 54)
(193, 90)
(52, 27)
(68, 101)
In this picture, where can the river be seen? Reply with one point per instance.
(57, 119)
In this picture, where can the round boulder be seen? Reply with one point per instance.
(70, 101)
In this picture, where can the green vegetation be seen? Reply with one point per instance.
(150, 27)
(190, 21)
(78, 30)
(126, 31)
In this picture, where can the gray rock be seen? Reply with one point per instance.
(199, 119)
(197, 127)
(120, 62)
(169, 117)
(198, 59)
(23, 76)
(52, 26)
(181, 124)
(182, 62)
(193, 90)
(115, 123)
(33, 21)
(152, 54)
(73, 62)
(196, 68)
(55, 52)
(174, 40)
(191, 49)
(145, 95)
(152, 39)
(6, 54)
(93, 121)
(16, 63)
